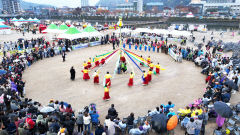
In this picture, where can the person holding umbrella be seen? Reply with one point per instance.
(223, 111)
(72, 72)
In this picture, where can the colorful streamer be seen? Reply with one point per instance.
(137, 59)
(130, 66)
(104, 54)
(133, 61)
(106, 57)
(143, 60)
(137, 56)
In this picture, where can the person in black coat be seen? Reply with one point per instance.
(72, 72)
(99, 130)
(112, 113)
(63, 56)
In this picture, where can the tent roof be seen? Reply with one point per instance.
(52, 26)
(89, 29)
(63, 27)
(72, 30)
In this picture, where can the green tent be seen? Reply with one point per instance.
(89, 29)
(52, 26)
(63, 27)
(72, 30)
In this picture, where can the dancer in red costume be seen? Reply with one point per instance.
(141, 63)
(97, 62)
(149, 75)
(148, 60)
(106, 92)
(108, 79)
(157, 68)
(85, 65)
(96, 77)
(151, 65)
(122, 59)
(145, 79)
(89, 63)
(102, 61)
(130, 83)
(85, 74)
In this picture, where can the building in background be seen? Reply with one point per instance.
(126, 6)
(84, 3)
(221, 6)
(11, 6)
(140, 6)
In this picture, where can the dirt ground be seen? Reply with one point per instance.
(180, 83)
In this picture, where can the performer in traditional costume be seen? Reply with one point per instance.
(157, 68)
(97, 62)
(85, 74)
(149, 75)
(151, 65)
(106, 92)
(145, 47)
(136, 46)
(130, 83)
(130, 46)
(85, 65)
(122, 59)
(148, 60)
(149, 47)
(140, 47)
(89, 63)
(96, 77)
(102, 61)
(108, 79)
(141, 63)
(145, 79)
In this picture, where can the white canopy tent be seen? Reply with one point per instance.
(190, 15)
(161, 31)
(142, 30)
(177, 33)
(124, 30)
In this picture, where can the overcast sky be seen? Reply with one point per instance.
(61, 3)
